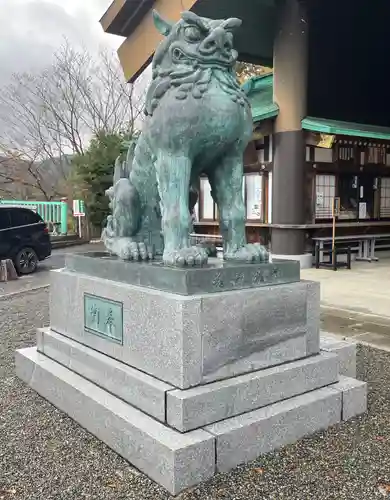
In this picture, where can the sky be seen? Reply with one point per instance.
(31, 30)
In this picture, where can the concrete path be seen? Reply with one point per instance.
(42, 276)
(356, 303)
(365, 288)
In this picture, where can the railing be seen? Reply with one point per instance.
(54, 213)
(196, 239)
(204, 239)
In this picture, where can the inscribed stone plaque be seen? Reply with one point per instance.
(103, 317)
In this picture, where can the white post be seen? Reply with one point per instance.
(270, 198)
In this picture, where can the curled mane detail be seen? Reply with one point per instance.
(189, 80)
(183, 80)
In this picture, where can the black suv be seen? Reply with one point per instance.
(24, 238)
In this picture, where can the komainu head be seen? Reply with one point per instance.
(196, 41)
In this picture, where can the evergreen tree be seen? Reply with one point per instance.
(93, 174)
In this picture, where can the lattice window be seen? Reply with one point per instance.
(385, 198)
(345, 150)
(325, 192)
(376, 154)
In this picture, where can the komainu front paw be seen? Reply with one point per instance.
(252, 252)
(192, 256)
(128, 249)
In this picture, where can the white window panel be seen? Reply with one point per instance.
(196, 212)
(207, 200)
(270, 198)
(323, 155)
(254, 197)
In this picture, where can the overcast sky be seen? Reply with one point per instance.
(31, 30)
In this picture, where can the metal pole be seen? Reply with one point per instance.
(335, 213)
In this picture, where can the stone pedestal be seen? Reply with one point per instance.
(175, 369)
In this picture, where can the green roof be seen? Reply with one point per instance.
(259, 91)
(345, 128)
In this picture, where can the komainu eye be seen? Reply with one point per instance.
(229, 40)
(193, 34)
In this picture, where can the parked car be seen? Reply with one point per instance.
(24, 238)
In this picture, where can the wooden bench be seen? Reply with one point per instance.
(333, 262)
(365, 245)
(373, 244)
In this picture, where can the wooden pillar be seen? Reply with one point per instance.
(290, 93)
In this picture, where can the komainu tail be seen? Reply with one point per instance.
(123, 168)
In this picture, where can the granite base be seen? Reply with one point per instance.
(178, 460)
(184, 385)
(189, 340)
(305, 260)
(190, 409)
(345, 350)
(174, 460)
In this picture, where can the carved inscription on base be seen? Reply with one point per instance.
(103, 317)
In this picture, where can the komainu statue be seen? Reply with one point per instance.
(198, 121)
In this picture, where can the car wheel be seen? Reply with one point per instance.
(26, 261)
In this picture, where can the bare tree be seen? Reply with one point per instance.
(47, 117)
(25, 177)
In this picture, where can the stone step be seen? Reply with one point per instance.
(133, 386)
(345, 350)
(206, 404)
(245, 437)
(189, 409)
(175, 460)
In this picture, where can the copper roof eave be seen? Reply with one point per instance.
(123, 16)
(110, 14)
(134, 21)
(137, 50)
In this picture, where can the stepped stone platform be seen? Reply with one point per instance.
(185, 376)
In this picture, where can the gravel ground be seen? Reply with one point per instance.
(44, 455)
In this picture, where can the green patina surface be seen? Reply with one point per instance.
(327, 126)
(198, 122)
(259, 91)
(216, 276)
(103, 317)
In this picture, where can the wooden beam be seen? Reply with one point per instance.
(138, 49)
(111, 13)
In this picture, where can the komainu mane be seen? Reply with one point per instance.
(198, 122)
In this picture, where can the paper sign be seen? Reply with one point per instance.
(362, 210)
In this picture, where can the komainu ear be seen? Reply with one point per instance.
(191, 18)
(232, 24)
(164, 27)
